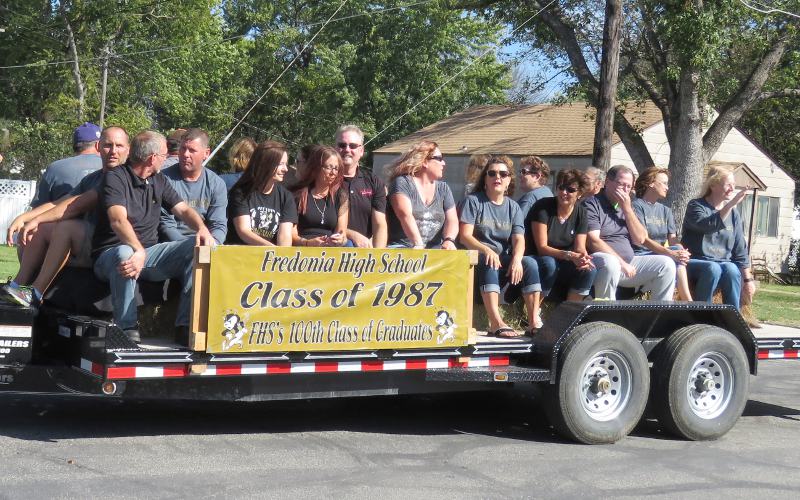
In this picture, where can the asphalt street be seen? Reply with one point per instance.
(492, 445)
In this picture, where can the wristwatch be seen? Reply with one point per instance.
(451, 240)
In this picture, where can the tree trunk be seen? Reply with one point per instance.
(80, 89)
(606, 98)
(106, 54)
(686, 154)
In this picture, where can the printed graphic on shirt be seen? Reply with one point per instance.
(264, 222)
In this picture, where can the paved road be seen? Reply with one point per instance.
(476, 446)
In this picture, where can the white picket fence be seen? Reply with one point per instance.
(15, 198)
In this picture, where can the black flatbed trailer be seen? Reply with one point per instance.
(599, 362)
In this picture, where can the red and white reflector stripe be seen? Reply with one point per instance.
(778, 353)
(218, 370)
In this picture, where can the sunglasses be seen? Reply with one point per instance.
(568, 189)
(437, 158)
(351, 145)
(495, 173)
(527, 171)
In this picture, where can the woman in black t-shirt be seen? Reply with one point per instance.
(260, 210)
(322, 205)
(559, 228)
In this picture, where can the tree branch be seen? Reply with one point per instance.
(777, 94)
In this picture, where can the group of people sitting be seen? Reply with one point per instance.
(134, 219)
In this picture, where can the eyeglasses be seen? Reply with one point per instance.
(163, 155)
(437, 158)
(495, 173)
(328, 168)
(527, 171)
(351, 145)
(568, 189)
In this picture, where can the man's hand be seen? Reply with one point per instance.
(628, 270)
(15, 227)
(621, 197)
(204, 238)
(132, 267)
(28, 230)
(359, 239)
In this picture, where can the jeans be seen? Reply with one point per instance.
(490, 279)
(564, 271)
(173, 259)
(654, 274)
(707, 275)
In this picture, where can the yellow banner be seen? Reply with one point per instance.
(336, 299)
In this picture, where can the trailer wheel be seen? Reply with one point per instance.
(601, 385)
(701, 380)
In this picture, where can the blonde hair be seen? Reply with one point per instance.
(716, 175)
(411, 161)
(240, 153)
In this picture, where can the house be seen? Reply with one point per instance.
(563, 135)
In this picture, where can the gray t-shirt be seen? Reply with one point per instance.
(207, 196)
(657, 219)
(527, 200)
(61, 177)
(430, 218)
(494, 224)
(92, 182)
(602, 216)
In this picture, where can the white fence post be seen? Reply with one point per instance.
(15, 198)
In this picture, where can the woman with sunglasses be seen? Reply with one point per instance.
(322, 206)
(422, 212)
(559, 229)
(260, 210)
(662, 239)
(492, 223)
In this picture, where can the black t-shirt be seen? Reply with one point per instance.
(321, 215)
(559, 235)
(266, 211)
(367, 192)
(142, 198)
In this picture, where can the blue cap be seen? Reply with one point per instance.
(87, 132)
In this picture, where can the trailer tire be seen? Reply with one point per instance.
(601, 387)
(701, 380)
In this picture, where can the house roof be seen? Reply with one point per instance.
(742, 174)
(541, 129)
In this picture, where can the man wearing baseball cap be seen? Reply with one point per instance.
(63, 175)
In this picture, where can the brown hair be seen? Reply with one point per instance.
(309, 175)
(646, 178)
(196, 133)
(474, 167)
(410, 163)
(537, 166)
(240, 153)
(480, 184)
(261, 167)
(572, 176)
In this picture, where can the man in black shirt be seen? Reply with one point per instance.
(366, 226)
(125, 245)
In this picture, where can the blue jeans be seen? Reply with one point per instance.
(490, 280)
(551, 269)
(173, 259)
(708, 275)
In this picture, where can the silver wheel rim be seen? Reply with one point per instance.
(710, 385)
(605, 385)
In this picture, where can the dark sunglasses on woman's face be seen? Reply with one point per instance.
(437, 158)
(527, 171)
(568, 189)
(495, 173)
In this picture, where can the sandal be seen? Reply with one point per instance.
(531, 331)
(506, 332)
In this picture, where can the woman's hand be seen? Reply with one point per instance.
(515, 271)
(492, 259)
(319, 241)
(448, 245)
(336, 240)
(582, 261)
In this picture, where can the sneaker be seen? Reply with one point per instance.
(24, 296)
(133, 334)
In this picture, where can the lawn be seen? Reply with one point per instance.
(777, 304)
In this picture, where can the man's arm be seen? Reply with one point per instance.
(187, 214)
(17, 224)
(596, 244)
(216, 216)
(118, 220)
(380, 230)
(72, 206)
(168, 228)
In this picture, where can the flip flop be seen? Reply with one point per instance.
(531, 331)
(506, 332)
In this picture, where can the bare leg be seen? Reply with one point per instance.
(491, 301)
(532, 307)
(683, 284)
(67, 239)
(575, 297)
(33, 254)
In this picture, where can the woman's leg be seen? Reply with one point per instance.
(489, 283)
(682, 283)
(730, 284)
(531, 290)
(706, 275)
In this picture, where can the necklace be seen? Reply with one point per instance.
(320, 210)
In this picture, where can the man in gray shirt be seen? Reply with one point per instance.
(61, 176)
(199, 187)
(613, 230)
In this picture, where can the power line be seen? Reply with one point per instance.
(768, 9)
(222, 143)
(446, 82)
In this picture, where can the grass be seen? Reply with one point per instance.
(8, 262)
(777, 304)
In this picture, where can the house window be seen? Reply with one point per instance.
(767, 210)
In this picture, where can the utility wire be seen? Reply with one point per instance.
(768, 9)
(271, 85)
(459, 73)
